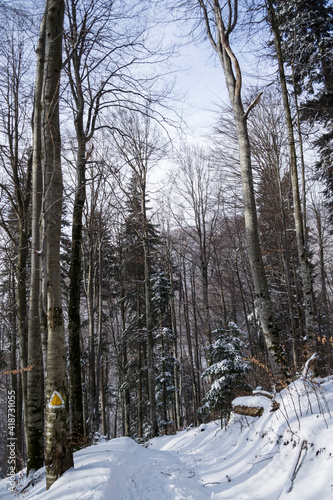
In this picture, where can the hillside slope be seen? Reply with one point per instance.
(286, 454)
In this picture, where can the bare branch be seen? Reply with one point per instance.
(252, 105)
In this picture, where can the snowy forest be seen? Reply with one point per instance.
(152, 273)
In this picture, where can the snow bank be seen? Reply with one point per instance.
(282, 455)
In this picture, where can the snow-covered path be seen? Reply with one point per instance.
(283, 455)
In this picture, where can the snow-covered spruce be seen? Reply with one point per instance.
(227, 371)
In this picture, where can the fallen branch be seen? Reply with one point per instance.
(15, 372)
(299, 462)
(260, 392)
(307, 372)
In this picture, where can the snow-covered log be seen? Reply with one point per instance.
(254, 406)
(250, 411)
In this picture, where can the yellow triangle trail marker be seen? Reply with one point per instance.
(56, 400)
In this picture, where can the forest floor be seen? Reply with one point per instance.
(286, 454)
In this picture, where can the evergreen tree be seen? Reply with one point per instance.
(131, 275)
(166, 360)
(228, 370)
(307, 43)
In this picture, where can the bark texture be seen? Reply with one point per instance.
(35, 424)
(58, 455)
(74, 72)
(233, 78)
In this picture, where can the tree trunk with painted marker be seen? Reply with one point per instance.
(58, 456)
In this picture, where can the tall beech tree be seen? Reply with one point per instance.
(220, 19)
(58, 455)
(47, 179)
(275, 206)
(35, 414)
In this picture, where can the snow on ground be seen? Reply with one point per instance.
(285, 455)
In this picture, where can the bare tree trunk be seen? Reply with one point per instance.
(74, 321)
(35, 424)
(22, 311)
(300, 237)
(198, 367)
(91, 333)
(58, 455)
(325, 309)
(12, 361)
(233, 77)
(139, 400)
(123, 363)
(190, 349)
(104, 429)
(176, 366)
(100, 332)
(177, 410)
(288, 280)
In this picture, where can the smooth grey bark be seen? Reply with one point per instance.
(58, 454)
(213, 17)
(177, 406)
(185, 300)
(35, 423)
(103, 378)
(198, 367)
(177, 412)
(307, 288)
(99, 387)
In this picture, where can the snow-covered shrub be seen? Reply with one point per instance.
(98, 438)
(226, 373)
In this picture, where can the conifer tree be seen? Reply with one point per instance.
(134, 302)
(228, 370)
(307, 45)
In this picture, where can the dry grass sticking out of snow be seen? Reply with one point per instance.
(282, 455)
